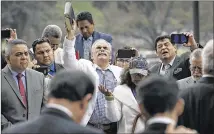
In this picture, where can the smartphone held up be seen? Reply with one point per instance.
(179, 38)
(69, 15)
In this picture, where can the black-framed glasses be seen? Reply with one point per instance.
(193, 68)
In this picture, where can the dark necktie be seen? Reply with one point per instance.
(21, 88)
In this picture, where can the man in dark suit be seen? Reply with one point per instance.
(87, 35)
(69, 94)
(45, 56)
(159, 102)
(22, 89)
(172, 66)
(199, 98)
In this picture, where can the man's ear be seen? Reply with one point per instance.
(85, 101)
(7, 59)
(179, 107)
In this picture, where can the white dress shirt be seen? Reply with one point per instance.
(60, 107)
(163, 71)
(164, 120)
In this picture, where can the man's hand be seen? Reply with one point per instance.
(191, 41)
(13, 34)
(71, 33)
(179, 130)
(105, 91)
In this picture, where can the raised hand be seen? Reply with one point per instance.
(105, 91)
(191, 41)
(71, 32)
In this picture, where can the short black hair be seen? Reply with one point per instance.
(157, 94)
(72, 85)
(161, 38)
(39, 41)
(85, 16)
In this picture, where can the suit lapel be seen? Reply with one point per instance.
(96, 36)
(174, 69)
(79, 45)
(29, 85)
(126, 98)
(8, 76)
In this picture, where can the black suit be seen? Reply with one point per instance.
(199, 106)
(179, 69)
(50, 121)
(155, 128)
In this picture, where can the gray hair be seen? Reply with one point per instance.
(196, 54)
(207, 58)
(101, 41)
(12, 43)
(52, 31)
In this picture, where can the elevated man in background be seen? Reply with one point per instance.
(87, 35)
(195, 61)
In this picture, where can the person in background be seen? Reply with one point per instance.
(88, 35)
(124, 62)
(159, 99)
(68, 97)
(23, 89)
(195, 61)
(199, 98)
(43, 53)
(54, 34)
(121, 105)
(172, 65)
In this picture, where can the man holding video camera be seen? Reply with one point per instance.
(45, 57)
(173, 65)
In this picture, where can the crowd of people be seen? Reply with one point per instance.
(84, 87)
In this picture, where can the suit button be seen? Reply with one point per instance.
(24, 115)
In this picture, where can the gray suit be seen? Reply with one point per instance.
(179, 69)
(185, 83)
(13, 109)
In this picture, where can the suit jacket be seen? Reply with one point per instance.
(12, 107)
(88, 67)
(179, 69)
(199, 106)
(58, 67)
(95, 35)
(185, 83)
(156, 128)
(124, 109)
(51, 121)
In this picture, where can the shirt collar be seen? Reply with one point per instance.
(52, 67)
(170, 63)
(88, 39)
(164, 120)
(108, 68)
(61, 108)
(208, 75)
(15, 73)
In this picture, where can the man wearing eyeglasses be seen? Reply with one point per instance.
(195, 69)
